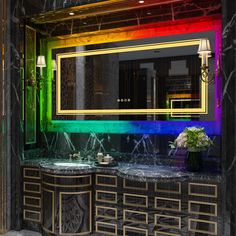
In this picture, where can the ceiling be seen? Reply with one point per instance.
(111, 14)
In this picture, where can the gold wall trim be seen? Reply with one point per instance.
(136, 212)
(26, 190)
(107, 216)
(134, 229)
(106, 184)
(200, 194)
(25, 169)
(68, 177)
(60, 212)
(136, 196)
(160, 233)
(106, 192)
(168, 191)
(38, 220)
(200, 212)
(53, 211)
(106, 224)
(132, 187)
(30, 204)
(178, 218)
(66, 185)
(178, 201)
(202, 231)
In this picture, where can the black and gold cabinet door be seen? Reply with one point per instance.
(67, 204)
(31, 197)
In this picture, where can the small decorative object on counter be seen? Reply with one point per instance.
(100, 157)
(195, 140)
(105, 160)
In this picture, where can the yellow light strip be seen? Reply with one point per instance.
(183, 43)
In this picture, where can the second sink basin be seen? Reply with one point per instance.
(69, 164)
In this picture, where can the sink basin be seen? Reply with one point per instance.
(69, 164)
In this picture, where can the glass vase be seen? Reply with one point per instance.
(193, 161)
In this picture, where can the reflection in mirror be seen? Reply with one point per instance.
(160, 78)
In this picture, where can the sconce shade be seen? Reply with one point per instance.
(54, 65)
(41, 61)
(204, 47)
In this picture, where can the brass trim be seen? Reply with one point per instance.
(202, 194)
(66, 176)
(168, 199)
(66, 185)
(105, 216)
(134, 229)
(30, 191)
(104, 232)
(53, 211)
(108, 192)
(31, 205)
(137, 188)
(69, 185)
(28, 176)
(46, 230)
(202, 231)
(160, 233)
(166, 225)
(60, 211)
(108, 185)
(135, 195)
(32, 219)
(202, 203)
(169, 191)
(135, 221)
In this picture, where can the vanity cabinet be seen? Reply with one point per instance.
(67, 204)
(96, 203)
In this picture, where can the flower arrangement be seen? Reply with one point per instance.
(192, 138)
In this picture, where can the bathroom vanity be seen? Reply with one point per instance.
(123, 200)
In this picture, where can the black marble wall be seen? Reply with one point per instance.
(229, 112)
(73, 142)
(14, 105)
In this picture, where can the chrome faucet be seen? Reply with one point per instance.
(75, 156)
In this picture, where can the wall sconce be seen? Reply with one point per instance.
(41, 63)
(54, 65)
(204, 52)
(54, 68)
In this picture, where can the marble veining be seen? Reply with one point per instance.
(137, 172)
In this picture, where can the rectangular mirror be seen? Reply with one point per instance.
(127, 80)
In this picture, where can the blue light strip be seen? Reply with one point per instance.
(131, 127)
